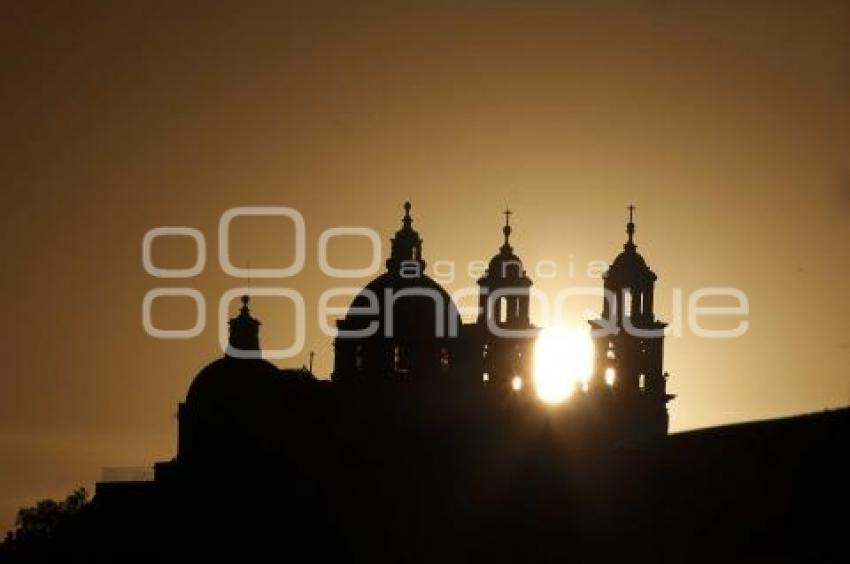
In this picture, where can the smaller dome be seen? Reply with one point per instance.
(229, 381)
(630, 265)
(631, 260)
(630, 268)
(505, 265)
(233, 407)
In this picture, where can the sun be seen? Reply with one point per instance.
(563, 360)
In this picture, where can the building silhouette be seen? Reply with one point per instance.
(427, 444)
(404, 329)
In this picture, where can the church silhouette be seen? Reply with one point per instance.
(403, 332)
(427, 444)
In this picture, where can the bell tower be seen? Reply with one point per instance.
(505, 334)
(629, 340)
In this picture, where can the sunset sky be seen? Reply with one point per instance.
(726, 123)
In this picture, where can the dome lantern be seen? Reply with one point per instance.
(244, 333)
(406, 247)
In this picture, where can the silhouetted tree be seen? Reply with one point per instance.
(47, 516)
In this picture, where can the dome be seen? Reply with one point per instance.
(413, 315)
(415, 297)
(242, 378)
(401, 323)
(236, 404)
(230, 410)
(229, 381)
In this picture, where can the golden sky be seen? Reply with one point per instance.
(727, 123)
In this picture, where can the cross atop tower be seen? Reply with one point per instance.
(507, 230)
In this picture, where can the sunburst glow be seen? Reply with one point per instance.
(563, 360)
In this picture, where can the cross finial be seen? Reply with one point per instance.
(507, 229)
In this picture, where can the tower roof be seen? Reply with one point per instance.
(629, 268)
(506, 265)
